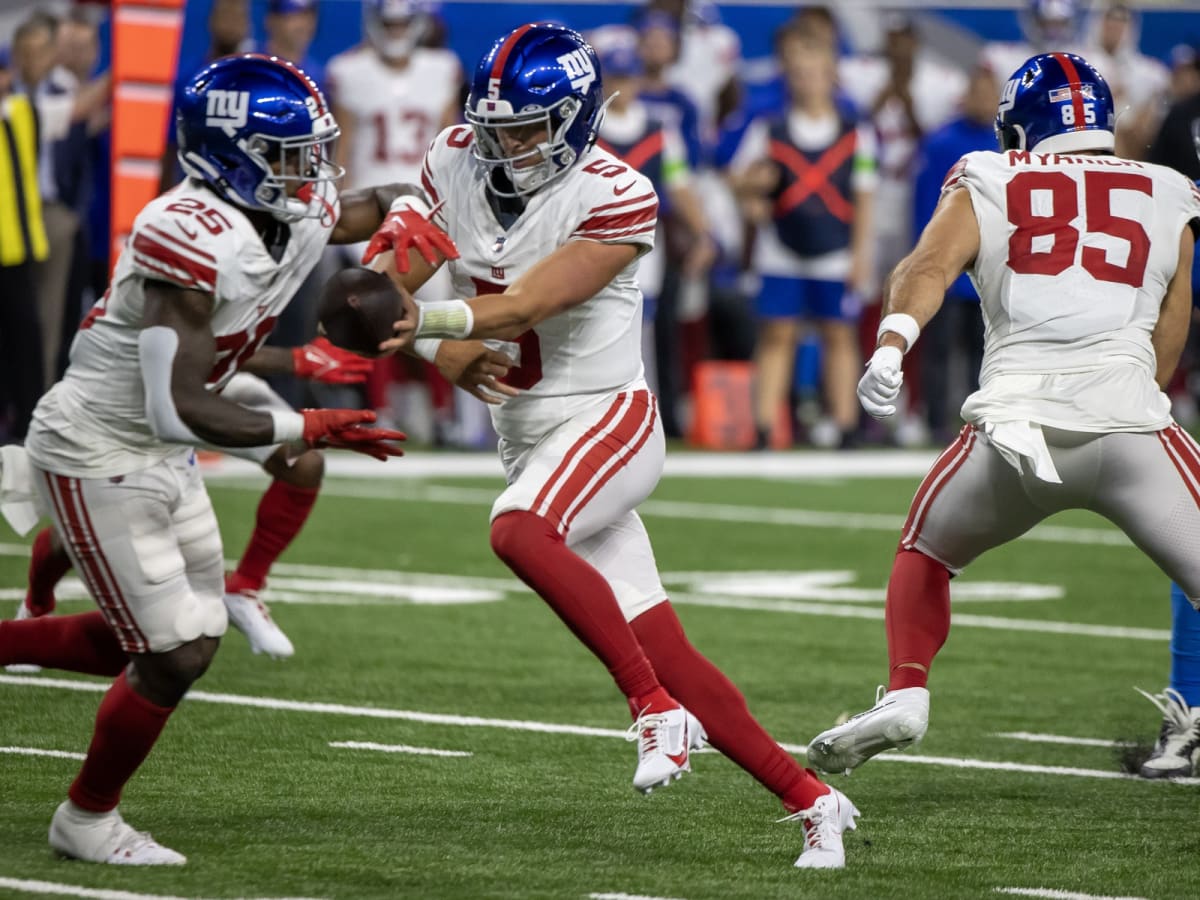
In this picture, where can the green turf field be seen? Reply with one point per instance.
(409, 633)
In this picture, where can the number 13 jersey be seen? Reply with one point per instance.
(1076, 252)
(92, 424)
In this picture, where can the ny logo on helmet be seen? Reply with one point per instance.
(1009, 95)
(578, 66)
(227, 109)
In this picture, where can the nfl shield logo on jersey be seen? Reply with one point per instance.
(499, 245)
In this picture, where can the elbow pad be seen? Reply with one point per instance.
(157, 346)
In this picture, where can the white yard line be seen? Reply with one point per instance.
(1035, 738)
(627, 897)
(74, 890)
(1051, 894)
(374, 712)
(397, 748)
(35, 751)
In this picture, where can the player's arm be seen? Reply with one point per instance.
(919, 282)
(571, 275)
(364, 210)
(1170, 331)
(318, 360)
(177, 351)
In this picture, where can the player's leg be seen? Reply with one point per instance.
(282, 512)
(970, 501)
(778, 307)
(48, 563)
(617, 448)
(127, 538)
(621, 552)
(837, 310)
(1151, 490)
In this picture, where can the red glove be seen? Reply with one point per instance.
(321, 361)
(408, 228)
(343, 428)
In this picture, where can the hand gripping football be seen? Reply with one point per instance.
(358, 308)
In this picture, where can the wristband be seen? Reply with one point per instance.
(445, 319)
(417, 204)
(289, 425)
(427, 348)
(902, 324)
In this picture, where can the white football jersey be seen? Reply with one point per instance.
(92, 424)
(569, 360)
(1076, 252)
(397, 112)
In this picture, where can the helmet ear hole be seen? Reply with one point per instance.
(1012, 137)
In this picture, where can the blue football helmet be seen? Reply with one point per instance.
(537, 77)
(1055, 103)
(1051, 24)
(257, 130)
(396, 27)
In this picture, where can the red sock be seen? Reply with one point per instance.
(80, 643)
(530, 546)
(917, 617)
(47, 566)
(719, 705)
(127, 725)
(282, 512)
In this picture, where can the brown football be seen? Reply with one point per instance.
(358, 308)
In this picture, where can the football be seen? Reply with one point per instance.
(358, 308)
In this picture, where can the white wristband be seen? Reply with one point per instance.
(427, 348)
(902, 324)
(411, 201)
(289, 425)
(445, 319)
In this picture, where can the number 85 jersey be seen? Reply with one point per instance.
(1076, 252)
(93, 422)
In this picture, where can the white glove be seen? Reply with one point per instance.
(879, 388)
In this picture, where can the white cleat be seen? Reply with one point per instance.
(831, 816)
(106, 838)
(897, 720)
(1178, 748)
(664, 741)
(23, 612)
(250, 616)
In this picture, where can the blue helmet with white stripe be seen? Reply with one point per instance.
(257, 130)
(1056, 103)
(536, 77)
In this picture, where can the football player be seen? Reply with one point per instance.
(550, 228)
(208, 268)
(1083, 264)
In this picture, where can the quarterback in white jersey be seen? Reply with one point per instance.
(207, 269)
(552, 228)
(1083, 264)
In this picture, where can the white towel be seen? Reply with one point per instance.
(19, 501)
(1022, 443)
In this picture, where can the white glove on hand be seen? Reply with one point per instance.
(879, 388)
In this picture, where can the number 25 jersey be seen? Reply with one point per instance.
(92, 424)
(1075, 255)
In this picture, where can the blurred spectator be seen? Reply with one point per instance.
(60, 104)
(709, 56)
(658, 51)
(414, 92)
(1047, 25)
(953, 339)
(1139, 83)
(78, 52)
(808, 177)
(1185, 72)
(22, 246)
(631, 131)
(228, 32)
(291, 27)
(1179, 138)
(905, 94)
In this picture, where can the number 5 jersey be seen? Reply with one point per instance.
(1076, 252)
(92, 424)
